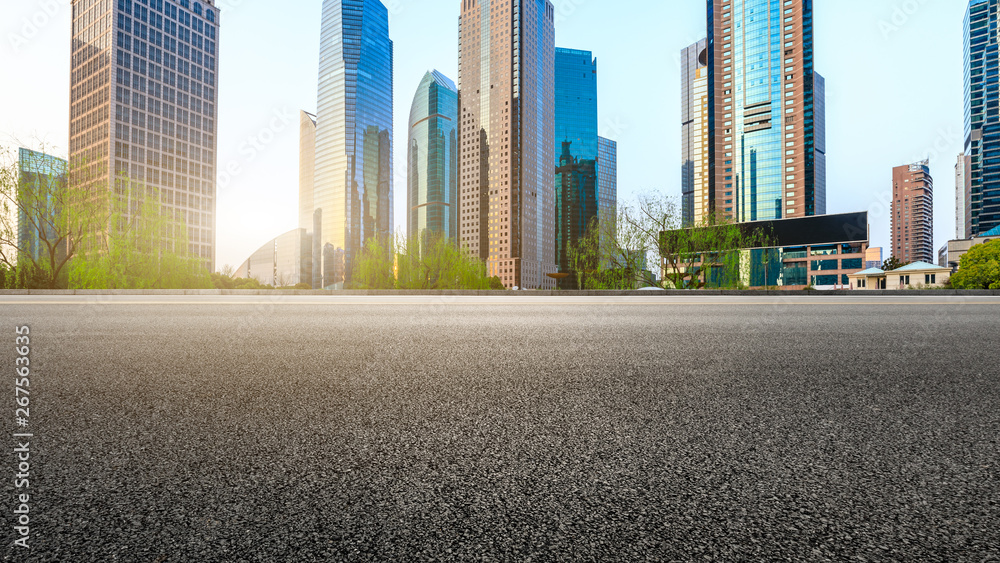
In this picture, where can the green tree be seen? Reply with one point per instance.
(142, 246)
(429, 262)
(980, 268)
(893, 263)
(42, 221)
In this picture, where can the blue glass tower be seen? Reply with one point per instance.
(982, 114)
(576, 103)
(352, 191)
(576, 143)
(767, 151)
(432, 155)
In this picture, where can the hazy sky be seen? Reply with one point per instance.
(893, 71)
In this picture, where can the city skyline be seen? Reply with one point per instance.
(853, 183)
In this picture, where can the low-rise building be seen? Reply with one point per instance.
(912, 276)
(283, 262)
(818, 251)
(958, 248)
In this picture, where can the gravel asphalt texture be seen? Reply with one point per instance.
(439, 430)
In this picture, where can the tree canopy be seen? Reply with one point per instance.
(980, 268)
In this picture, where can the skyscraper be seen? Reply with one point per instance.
(576, 103)
(44, 175)
(576, 206)
(607, 187)
(352, 192)
(913, 213)
(432, 155)
(767, 151)
(694, 133)
(577, 146)
(982, 126)
(307, 169)
(143, 106)
(963, 197)
(506, 72)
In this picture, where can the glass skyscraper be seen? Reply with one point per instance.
(352, 192)
(576, 103)
(694, 133)
(607, 185)
(506, 75)
(45, 174)
(432, 159)
(143, 104)
(982, 116)
(767, 151)
(577, 146)
(576, 205)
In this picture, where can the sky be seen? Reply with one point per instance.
(893, 72)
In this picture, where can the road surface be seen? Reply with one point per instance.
(177, 429)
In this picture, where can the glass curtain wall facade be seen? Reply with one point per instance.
(607, 187)
(982, 114)
(39, 169)
(765, 136)
(283, 262)
(352, 192)
(963, 197)
(143, 106)
(576, 206)
(694, 133)
(576, 139)
(432, 170)
(506, 80)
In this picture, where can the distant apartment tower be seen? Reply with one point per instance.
(963, 197)
(694, 133)
(143, 104)
(982, 123)
(432, 160)
(607, 186)
(913, 213)
(767, 146)
(506, 74)
(352, 195)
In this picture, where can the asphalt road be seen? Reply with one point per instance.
(518, 429)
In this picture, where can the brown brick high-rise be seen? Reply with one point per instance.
(913, 213)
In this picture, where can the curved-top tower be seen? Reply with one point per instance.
(432, 155)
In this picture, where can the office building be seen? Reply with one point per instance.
(352, 195)
(577, 146)
(307, 169)
(143, 103)
(607, 187)
(767, 146)
(694, 134)
(432, 155)
(43, 176)
(912, 213)
(963, 197)
(982, 123)
(506, 76)
(576, 207)
(283, 262)
(873, 257)
(959, 248)
(818, 251)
